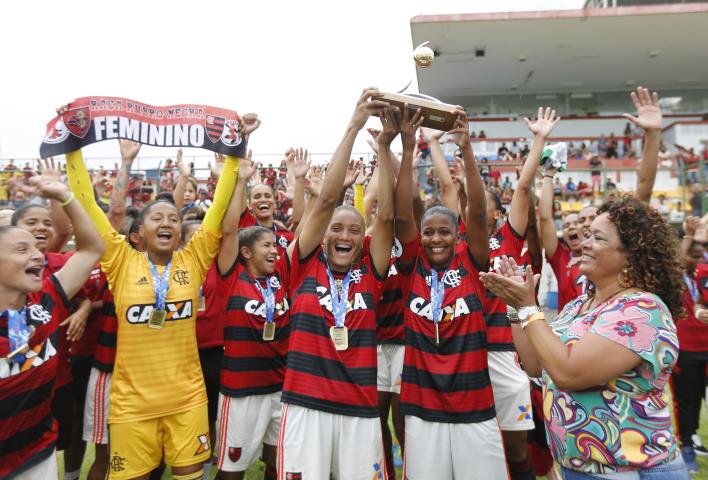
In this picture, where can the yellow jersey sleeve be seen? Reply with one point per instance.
(359, 200)
(201, 250)
(222, 195)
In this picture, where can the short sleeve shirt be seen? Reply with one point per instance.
(626, 423)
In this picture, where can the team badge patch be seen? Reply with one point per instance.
(231, 134)
(234, 453)
(203, 444)
(293, 475)
(78, 121)
(214, 127)
(378, 475)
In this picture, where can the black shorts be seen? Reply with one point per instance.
(62, 409)
(80, 372)
(210, 359)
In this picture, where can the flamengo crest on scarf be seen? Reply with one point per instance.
(94, 119)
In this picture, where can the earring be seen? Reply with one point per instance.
(623, 278)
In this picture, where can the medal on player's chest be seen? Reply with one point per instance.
(269, 300)
(339, 293)
(160, 284)
(437, 295)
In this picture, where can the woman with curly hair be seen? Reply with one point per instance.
(607, 357)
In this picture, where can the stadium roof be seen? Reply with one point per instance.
(588, 50)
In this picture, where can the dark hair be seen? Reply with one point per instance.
(249, 236)
(21, 212)
(194, 183)
(441, 210)
(652, 248)
(186, 225)
(165, 196)
(497, 201)
(196, 211)
(146, 208)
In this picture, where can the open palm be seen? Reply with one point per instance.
(544, 123)
(648, 111)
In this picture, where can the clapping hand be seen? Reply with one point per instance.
(513, 284)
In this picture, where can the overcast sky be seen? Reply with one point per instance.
(299, 64)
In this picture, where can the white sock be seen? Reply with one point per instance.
(72, 475)
(207, 469)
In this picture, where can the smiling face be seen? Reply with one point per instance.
(603, 255)
(344, 239)
(585, 219)
(38, 221)
(438, 237)
(261, 256)
(161, 228)
(21, 262)
(262, 202)
(571, 233)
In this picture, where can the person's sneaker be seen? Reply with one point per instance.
(689, 458)
(698, 447)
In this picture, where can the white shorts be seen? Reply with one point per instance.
(244, 425)
(96, 407)
(44, 470)
(389, 367)
(313, 444)
(512, 394)
(463, 451)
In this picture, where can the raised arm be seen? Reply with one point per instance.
(228, 249)
(298, 168)
(116, 212)
(541, 129)
(89, 245)
(181, 185)
(62, 225)
(405, 225)
(533, 241)
(649, 119)
(476, 220)
(448, 191)
(81, 185)
(549, 237)
(311, 234)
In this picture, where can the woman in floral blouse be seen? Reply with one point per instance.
(607, 357)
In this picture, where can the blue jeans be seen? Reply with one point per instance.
(674, 470)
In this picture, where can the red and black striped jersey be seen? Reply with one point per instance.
(507, 242)
(52, 264)
(210, 321)
(389, 313)
(571, 283)
(93, 290)
(105, 355)
(318, 376)
(251, 365)
(702, 278)
(283, 237)
(446, 381)
(28, 430)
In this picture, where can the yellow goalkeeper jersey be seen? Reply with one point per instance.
(157, 371)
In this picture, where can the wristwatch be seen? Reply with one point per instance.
(526, 314)
(512, 314)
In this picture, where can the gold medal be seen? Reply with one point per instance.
(157, 319)
(268, 331)
(340, 337)
(201, 305)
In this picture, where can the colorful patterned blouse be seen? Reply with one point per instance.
(624, 424)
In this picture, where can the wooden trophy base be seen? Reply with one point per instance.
(436, 115)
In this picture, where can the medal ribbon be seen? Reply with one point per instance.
(160, 284)
(18, 332)
(268, 298)
(437, 294)
(340, 298)
(692, 287)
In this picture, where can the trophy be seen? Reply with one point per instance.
(436, 114)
